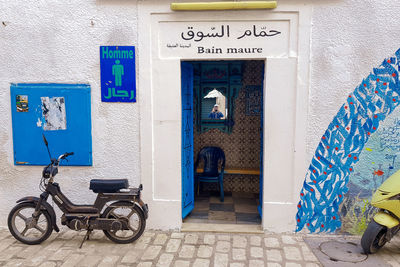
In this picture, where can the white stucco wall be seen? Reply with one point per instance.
(59, 42)
(349, 38)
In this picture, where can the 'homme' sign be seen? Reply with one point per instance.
(213, 39)
(117, 74)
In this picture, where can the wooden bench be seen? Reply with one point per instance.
(236, 171)
(233, 171)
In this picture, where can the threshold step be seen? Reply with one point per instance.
(222, 228)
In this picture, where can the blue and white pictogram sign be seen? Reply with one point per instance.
(117, 71)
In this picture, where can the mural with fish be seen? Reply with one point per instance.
(378, 161)
(356, 154)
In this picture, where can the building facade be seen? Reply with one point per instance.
(308, 56)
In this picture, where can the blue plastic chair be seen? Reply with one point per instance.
(211, 156)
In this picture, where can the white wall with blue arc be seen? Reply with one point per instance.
(334, 165)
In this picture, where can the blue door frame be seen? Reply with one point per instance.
(187, 139)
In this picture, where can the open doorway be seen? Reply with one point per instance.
(222, 110)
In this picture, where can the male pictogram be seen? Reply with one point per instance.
(118, 72)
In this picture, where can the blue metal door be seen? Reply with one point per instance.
(187, 139)
(262, 146)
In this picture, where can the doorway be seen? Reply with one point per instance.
(222, 106)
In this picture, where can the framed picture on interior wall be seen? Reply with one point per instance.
(253, 100)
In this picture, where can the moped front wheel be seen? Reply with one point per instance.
(127, 214)
(373, 238)
(27, 229)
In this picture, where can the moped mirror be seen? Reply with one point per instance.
(45, 140)
(47, 145)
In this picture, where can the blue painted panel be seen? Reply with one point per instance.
(118, 75)
(71, 133)
(187, 139)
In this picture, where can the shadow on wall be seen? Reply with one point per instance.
(354, 157)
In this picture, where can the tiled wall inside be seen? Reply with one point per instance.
(242, 146)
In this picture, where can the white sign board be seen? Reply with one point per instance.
(222, 39)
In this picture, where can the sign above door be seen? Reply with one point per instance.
(221, 39)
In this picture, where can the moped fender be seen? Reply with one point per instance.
(144, 208)
(46, 206)
(385, 219)
(138, 202)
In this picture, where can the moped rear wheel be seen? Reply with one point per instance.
(25, 228)
(373, 238)
(130, 214)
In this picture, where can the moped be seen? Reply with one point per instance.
(386, 222)
(118, 210)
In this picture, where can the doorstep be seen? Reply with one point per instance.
(222, 228)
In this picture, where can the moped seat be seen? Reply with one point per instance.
(108, 185)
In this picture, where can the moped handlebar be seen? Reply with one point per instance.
(68, 154)
(64, 156)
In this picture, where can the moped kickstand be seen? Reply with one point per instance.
(86, 237)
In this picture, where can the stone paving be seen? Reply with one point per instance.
(157, 248)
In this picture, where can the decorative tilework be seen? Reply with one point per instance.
(242, 146)
(238, 208)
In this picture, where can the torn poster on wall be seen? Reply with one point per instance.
(53, 113)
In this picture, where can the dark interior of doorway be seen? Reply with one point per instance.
(242, 148)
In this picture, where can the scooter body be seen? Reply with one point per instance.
(80, 217)
(118, 210)
(385, 223)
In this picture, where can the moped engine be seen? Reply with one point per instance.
(75, 222)
(109, 224)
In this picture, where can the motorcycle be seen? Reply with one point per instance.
(386, 222)
(118, 210)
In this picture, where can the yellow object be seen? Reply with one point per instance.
(392, 184)
(224, 5)
(383, 197)
(385, 219)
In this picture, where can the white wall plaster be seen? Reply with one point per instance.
(349, 38)
(47, 41)
(58, 42)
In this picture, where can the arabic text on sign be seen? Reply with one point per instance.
(198, 36)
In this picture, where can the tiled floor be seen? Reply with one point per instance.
(237, 208)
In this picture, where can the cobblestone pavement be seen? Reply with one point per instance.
(156, 248)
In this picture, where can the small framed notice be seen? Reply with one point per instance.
(253, 100)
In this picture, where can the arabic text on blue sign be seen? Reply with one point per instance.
(118, 76)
